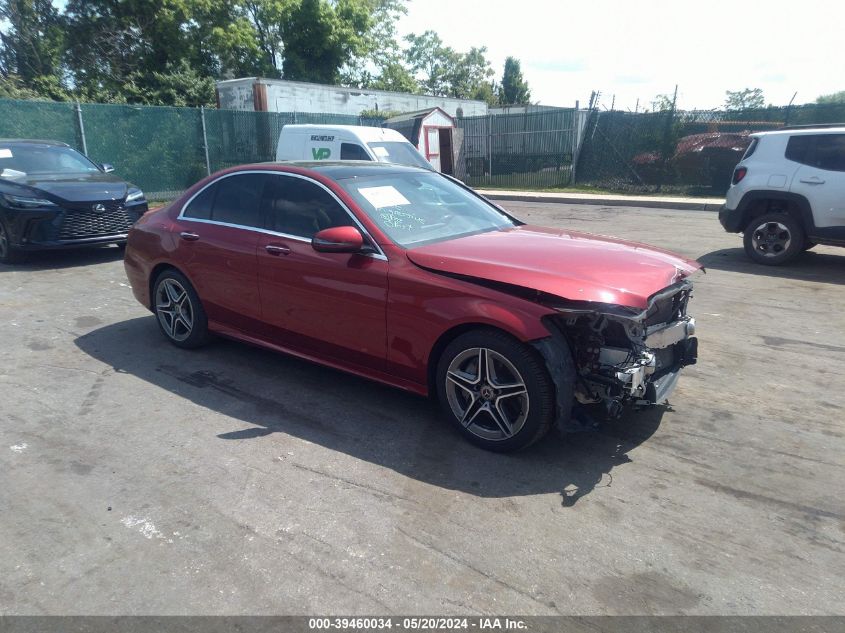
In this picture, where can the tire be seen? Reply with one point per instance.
(508, 412)
(808, 245)
(773, 239)
(8, 253)
(178, 310)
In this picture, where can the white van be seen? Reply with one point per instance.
(347, 142)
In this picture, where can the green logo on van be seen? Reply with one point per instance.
(320, 153)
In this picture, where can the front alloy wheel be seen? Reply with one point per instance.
(487, 394)
(496, 390)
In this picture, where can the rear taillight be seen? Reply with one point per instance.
(739, 174)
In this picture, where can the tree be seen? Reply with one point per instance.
(836, 97)
(746, 99)
(42, 88)
(468, 73)
(662, 103)
(31, 42)
(488, 91)
(514, 88)
(244, 38)
(109, 42)
(265, 19)
(442, 71)
(176, 85)
(429, 60)
(170, 51)
(396, 78)
(322, 38)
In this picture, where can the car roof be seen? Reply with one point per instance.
(30, 141)
(801, 131)
(339, 170)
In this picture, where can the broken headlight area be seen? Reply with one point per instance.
(624, 356)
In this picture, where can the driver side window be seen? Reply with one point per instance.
(295, 206)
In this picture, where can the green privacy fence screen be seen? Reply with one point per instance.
(236, 137)
(164, 150)
(160, 149)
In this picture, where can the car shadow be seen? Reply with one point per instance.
(808, 266)
(269, 393)
(65, 258)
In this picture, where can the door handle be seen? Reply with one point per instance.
(813, 180)
(277, 249)
(189, 237)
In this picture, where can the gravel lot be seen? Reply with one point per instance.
(140, 478)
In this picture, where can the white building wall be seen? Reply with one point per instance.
(295, 96)
(236, 94)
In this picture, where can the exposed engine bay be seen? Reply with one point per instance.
(625, 357)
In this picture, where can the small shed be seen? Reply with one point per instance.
(433, 132)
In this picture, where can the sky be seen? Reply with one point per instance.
(636, 49)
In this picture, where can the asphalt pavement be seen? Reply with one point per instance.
(138, 478)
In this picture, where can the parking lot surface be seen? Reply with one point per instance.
(141, 478)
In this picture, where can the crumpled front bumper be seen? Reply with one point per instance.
(617, 358)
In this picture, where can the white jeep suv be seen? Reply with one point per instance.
(788, 193)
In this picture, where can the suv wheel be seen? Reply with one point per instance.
(773, 239)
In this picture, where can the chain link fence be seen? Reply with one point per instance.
(165, 150)
(691, 153)
(238, 137)
(534, 150)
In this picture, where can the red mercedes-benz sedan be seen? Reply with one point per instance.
(409, 278)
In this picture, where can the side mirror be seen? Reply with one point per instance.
(107, 168)
(338, 239)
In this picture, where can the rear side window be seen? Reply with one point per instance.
(798, 148)
(351, 151)
(236, 200)
(200, 207)
(751, 148)
(830, 152)
(232, 200)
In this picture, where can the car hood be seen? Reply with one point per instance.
(567, 264)
(75, 187)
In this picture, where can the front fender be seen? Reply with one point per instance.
(420, 314)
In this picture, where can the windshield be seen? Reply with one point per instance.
(399, 153)
(419, 208)
(43, 159)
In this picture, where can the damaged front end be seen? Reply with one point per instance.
(624, 356)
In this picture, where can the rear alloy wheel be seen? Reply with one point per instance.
(8, 254)
(773, 239)
(496, 390)
(178, 310)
